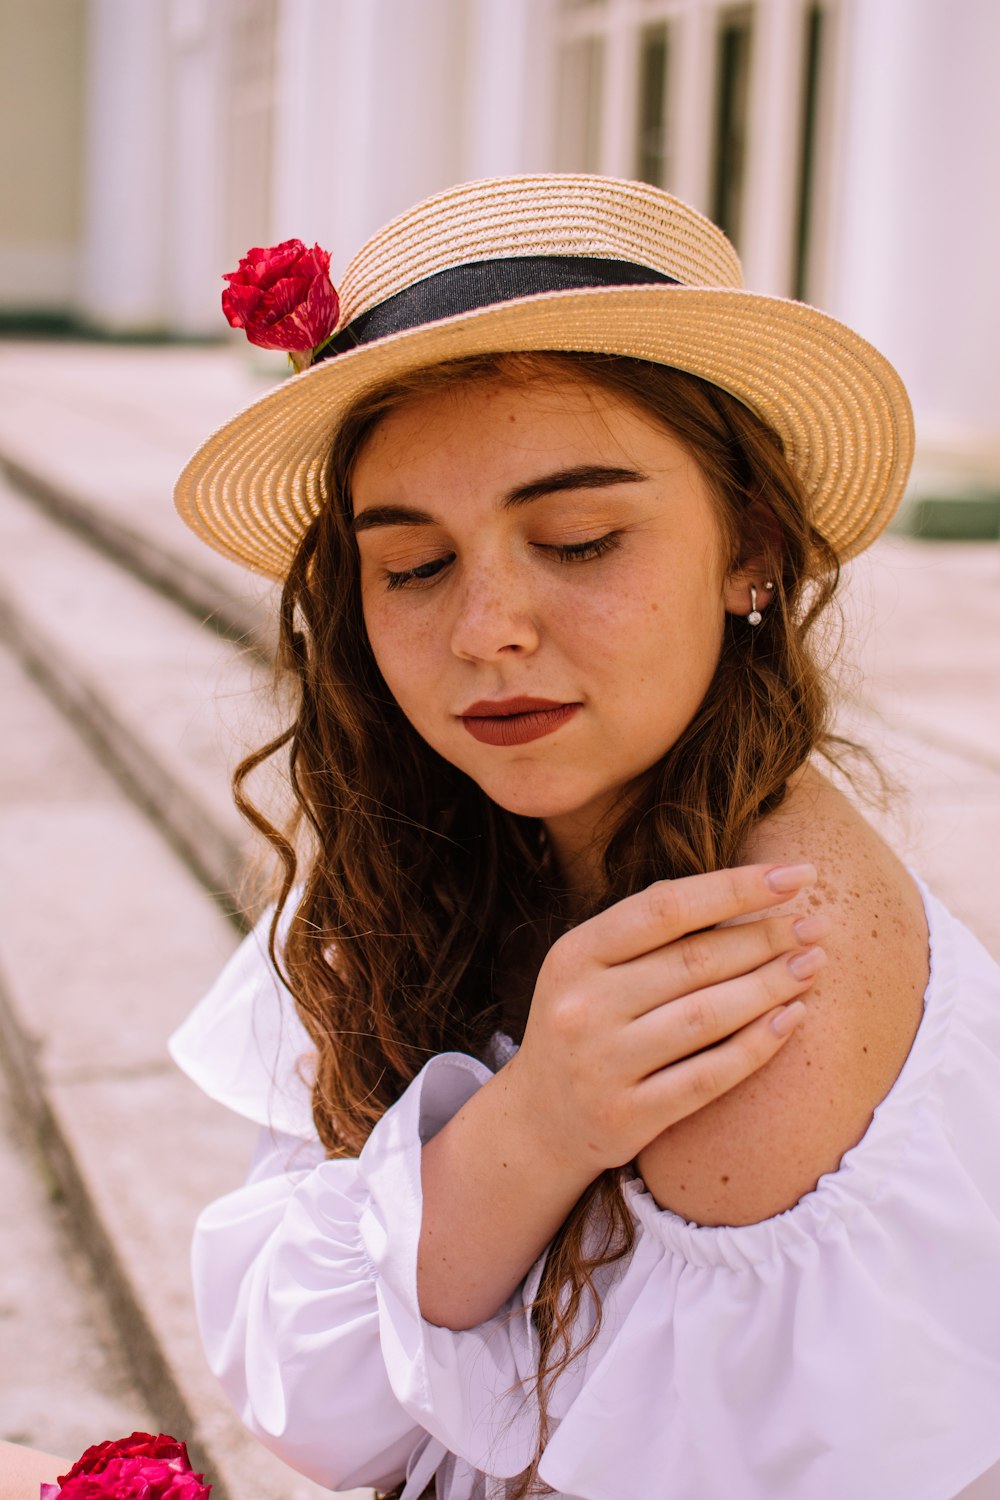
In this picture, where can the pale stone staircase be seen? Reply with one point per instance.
(131, 668)
(122, 861)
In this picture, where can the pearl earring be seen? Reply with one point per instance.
(755, 616)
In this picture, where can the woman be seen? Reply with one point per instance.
(619, 1140)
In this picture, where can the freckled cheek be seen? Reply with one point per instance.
(644, 638)
(406, 653)
(616, 626)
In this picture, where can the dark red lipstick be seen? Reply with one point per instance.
(515, 721)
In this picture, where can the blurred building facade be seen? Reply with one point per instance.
(850, 147)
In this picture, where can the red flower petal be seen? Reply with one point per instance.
(137, 1478)
(315, 262)
(239, 303)
(322, 309)
(161, 1448)
(283, 297)
(262, 267)
(287, 334)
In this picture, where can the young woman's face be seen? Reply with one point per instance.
(545, 541)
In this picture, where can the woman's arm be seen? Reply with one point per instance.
(23, 1470)
(640, 1017)
(287, 1307)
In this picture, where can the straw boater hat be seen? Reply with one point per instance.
(561, 263)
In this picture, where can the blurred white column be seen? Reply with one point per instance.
(509, 75)
(916, 243)
(776, 133)
(323, 124)
(195, 182)
(694, 35)
(123, 253)
(369, 114)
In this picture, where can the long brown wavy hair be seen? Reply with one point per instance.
(409, 881)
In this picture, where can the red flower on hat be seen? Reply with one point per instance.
(283, 297)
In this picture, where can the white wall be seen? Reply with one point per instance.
(381, 104)
(369, 114)
(195, 166)
(914, 249)
(123, 255)
(41, 94)
(151, 250)
(775, 125)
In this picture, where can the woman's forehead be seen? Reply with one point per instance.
(513, 414)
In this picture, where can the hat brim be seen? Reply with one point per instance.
(839, 407)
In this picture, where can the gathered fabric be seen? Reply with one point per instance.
(848, 1346)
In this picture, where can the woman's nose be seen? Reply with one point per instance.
(495, 614)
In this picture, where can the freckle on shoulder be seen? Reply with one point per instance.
(863, 886)
(785, 1126)
(819, 824)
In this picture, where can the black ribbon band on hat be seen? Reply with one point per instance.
(483, 283)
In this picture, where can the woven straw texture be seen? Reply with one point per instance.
(839, 407)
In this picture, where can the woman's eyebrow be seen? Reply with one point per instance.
(583, 477)
(390, 515)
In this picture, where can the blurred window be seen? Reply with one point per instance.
(579, 104)
(812, 69)
(732, 109)
(653, 133)
(662, 90)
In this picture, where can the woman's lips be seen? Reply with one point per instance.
(515, 721)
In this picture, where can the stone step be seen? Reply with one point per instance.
(96, 435)
(106, 941)
(67, 1381)
(167, 704)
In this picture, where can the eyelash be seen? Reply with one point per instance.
(565, 553)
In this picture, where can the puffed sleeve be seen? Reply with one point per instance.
(306, 1276)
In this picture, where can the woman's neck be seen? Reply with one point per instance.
(578, 852)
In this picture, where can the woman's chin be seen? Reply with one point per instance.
(547, 803)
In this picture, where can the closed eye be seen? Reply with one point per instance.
(419, 574)
(580, 551)
(564, 551)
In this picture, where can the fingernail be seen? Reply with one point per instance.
(787, 1018)
(804, 965)
(790, 877)
(811, 929)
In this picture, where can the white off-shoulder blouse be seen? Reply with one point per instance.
(847, 1349)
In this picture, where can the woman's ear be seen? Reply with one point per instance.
(755, 565)
(752, 575)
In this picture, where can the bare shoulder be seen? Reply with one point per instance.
(756, 1151)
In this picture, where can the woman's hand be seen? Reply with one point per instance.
(613, 1054)
(626, 1005)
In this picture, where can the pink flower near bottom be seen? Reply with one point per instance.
(139, 1467)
